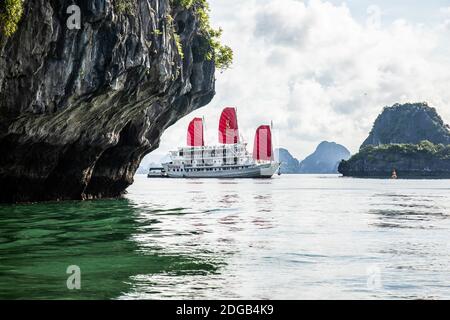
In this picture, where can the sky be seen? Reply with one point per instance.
(323, 70)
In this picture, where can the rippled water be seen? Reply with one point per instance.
(292, 237)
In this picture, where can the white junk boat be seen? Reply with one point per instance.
(230, 159)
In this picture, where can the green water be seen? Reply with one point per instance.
(39, 241)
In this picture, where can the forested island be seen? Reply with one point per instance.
(411, 139)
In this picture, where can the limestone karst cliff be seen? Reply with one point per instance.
(410, 138)
(80, 108)
(289, 164)
(423, 160)
(325, 159)
(408, 123)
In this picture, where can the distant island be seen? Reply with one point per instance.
(289, 164)
(411, 139)
(324, 160)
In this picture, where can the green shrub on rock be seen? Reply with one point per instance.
(11, 12)
(222, 54)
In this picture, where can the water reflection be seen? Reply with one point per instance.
(113, 242)
(227, 200)
(408, 211)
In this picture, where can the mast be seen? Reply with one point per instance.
(203, 130)
(238, 136)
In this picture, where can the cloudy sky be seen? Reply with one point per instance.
(323, 70)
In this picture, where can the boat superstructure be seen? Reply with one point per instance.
(229, 159)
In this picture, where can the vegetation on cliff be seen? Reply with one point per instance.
(124, 6)
(408, 123)
(422, 159)
(215, 50)
(425, 149)
(10, 14)
(411, 138)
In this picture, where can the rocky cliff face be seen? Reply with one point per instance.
(325, 159)
(408, 123)
(409, 161)
(289, 164)
(80, 108)
(410, 138)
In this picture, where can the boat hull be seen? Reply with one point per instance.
(256, 171)
(155, 175)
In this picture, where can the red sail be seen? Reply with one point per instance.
(195, 133)
(228, 127)
(262, 148)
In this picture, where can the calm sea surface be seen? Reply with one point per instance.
(292, 237)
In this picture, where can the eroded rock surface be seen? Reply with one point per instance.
(408, 123)
(80, 108)
(411, 139)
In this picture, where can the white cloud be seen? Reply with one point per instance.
(320, 73)
(374, 16)
(445, 11)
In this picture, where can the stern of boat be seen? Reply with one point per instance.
(267, 171)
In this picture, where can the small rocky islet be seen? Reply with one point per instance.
(410, 139)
